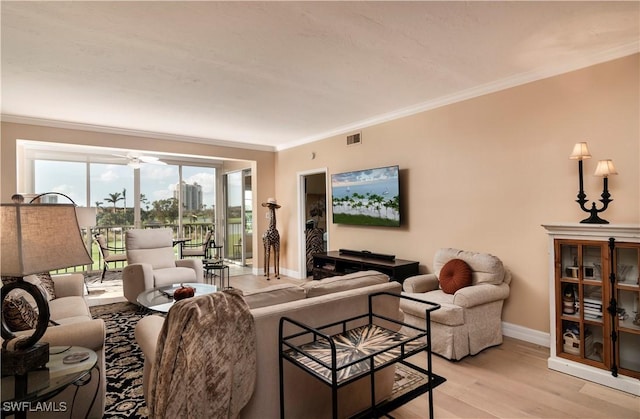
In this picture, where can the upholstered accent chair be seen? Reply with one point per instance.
(470, 318)
(152, 263)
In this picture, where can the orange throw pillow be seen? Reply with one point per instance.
(454, 275)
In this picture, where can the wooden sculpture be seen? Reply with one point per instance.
(271, 239)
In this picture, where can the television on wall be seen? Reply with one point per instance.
(369, 197)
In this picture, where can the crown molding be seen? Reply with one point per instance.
(477, 91)
(130, 132)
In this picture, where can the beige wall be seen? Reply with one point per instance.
(262, 162)
(485, 173)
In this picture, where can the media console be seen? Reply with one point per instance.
(345, 261)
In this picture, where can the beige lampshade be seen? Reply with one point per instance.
(86, 216)
(580, 152)
(605, 168)
(40, 238)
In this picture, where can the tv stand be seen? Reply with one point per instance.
(345, 261)
(366, 254)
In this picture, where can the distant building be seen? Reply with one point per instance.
(49, 199)
(191, 196)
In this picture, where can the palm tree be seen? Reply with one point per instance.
(124, 197)
(394, 204)
(377, 202)
(144, 200)
(113, 199)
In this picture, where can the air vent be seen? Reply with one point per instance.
(354, 139)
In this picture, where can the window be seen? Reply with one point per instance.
(199, 194)
(112, 192)
(69, 178)
(158, 202)
(111, 189)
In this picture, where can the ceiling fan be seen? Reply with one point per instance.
(136, 160)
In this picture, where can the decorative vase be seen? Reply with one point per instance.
(183, 292)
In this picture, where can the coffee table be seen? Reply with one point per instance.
(161, 298)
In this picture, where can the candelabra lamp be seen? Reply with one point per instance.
(35, 238)
(604, 169)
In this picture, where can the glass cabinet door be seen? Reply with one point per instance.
(627, 291)
(568, 306)
(581, 306)
(592, 268)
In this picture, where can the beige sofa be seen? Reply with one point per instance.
(469, 320)
(315, 303)
(76, 327)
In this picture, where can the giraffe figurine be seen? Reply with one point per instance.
(271, 239)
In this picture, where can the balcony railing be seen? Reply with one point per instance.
(115, 237)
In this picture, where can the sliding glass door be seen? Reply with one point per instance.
(239, 217)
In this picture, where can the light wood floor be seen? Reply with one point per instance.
(512, 381)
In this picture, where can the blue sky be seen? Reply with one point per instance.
(157, 181)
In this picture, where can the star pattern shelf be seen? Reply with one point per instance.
(359, 352)
(354, 349)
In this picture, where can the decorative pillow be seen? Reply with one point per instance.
(454, 275)
(46, 282)
(43, 280)
(18, 314)
(6, 280)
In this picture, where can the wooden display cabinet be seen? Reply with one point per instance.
(594, 296)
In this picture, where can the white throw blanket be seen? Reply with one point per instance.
(206, 359)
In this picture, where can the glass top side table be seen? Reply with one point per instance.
(20, 392)
(161, 298)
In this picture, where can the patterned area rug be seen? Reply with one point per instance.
(124, 361)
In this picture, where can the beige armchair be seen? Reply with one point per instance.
(470, 319)
(152, 263)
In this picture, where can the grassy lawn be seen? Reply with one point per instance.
(364, 220)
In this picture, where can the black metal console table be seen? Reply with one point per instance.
(358, 352)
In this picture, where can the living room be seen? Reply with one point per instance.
(481, 173)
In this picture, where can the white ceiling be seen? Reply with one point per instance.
(279, 74)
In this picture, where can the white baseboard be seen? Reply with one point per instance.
(524, 333)
(284, 272)
(597, 375)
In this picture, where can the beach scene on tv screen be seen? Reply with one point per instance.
(366, 197)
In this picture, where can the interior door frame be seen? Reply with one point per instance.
(243, 249)
(302, 240)
(229, 256)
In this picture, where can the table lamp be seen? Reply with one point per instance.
(35, 238)
(604, 169)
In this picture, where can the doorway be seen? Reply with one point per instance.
(313, 204)
(238, 218)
